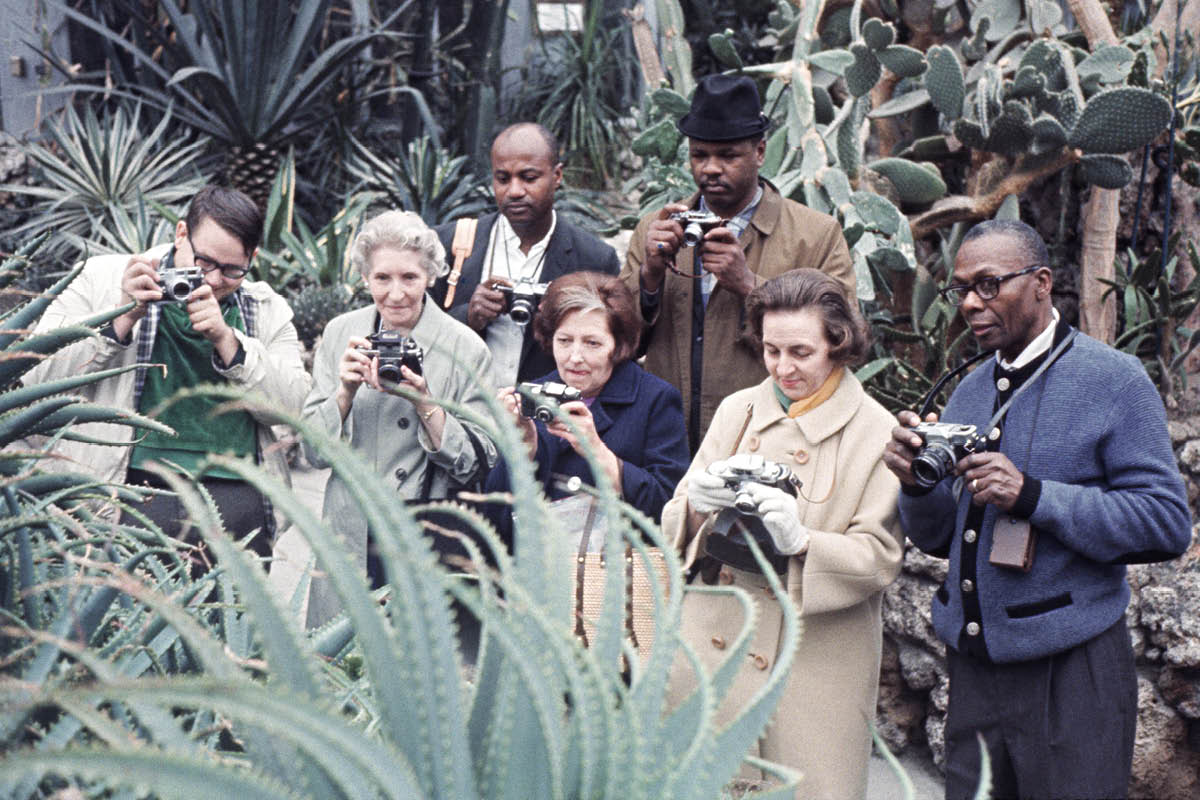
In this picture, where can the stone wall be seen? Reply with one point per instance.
(1164, 623)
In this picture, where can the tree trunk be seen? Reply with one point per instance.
(1098, 252)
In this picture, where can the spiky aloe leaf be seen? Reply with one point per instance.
(917, 184)
(878, 34)
(25, 316)
(944, 81)
(1119, 120)
(907, 62)
(864, 73)
(1106, 171)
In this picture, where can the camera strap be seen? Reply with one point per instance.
(461, 247)
(1058, 350)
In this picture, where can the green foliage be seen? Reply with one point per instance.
(420, 177)
(96, 175)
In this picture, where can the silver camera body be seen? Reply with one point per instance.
(521, 299)
(944, 444)
(175, 282)
(746, 468)
(539, 400)
(696, 224)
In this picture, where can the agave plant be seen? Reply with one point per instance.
(97, 174)
(422, 177)
(244, 72)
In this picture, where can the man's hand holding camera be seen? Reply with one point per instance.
(139, 284)
(720, 252)
(991, 478)
(487, 302)
(207, 320)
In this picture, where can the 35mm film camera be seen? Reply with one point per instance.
(395, 350)
(695, 225)
(177, 282)
(726, 542)
(944, 444)
(539, 400)
(746, 468)
(521, 299)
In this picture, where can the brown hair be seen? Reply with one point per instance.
(230, 209)
(590, 291)
(845, 330)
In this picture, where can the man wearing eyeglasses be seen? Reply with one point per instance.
(1072, 482)
(228, 331)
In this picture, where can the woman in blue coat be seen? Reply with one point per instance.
(632, 420)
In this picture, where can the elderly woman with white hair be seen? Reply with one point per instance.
(416, 443)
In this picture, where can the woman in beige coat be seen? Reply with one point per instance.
(837, 544)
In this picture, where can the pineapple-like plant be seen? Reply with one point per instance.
(127, 675)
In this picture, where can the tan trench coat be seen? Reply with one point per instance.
(783, 235)
(849, 504)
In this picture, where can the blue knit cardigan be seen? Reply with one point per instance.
(1092, 430)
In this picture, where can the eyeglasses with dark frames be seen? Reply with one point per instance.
(987, 288)
(207, 265)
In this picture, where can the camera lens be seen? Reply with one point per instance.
(522, 311)
(932, 462)
(543, 414)
(179, 289)
(744, 503)
(390, 372)
(693, 234)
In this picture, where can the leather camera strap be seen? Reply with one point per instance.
(581, 568)
(461, 247)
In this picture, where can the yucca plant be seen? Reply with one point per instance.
(95, 175)
(245, 705)
(247, 73)
(421, 177)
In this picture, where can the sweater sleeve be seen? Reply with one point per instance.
(1139, 512)
(928, 519)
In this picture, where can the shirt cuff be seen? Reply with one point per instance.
(109, 332)
(1027, 500)
(239, 358)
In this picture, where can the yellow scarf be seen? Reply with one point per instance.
(815, 399)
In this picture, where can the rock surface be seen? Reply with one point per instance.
(1164, 624)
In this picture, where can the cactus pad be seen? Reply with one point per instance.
(865, 72)
(670, 101)
(878, 34)
(849, 145)
(660, 140)
(916, 184)
(890, 259)
(1063, 107)
(975, 48)
(1028, 83)
(1012, 131)
(1111, 62)
(823, 110)
(1046, 58)
(970, 134)
(1044, 15)
(944, 81)
(723, 50)
(907, 62)
(1106, 171)
(1004, 15)
(877, 212)
(1120, 120)
(1048, 134)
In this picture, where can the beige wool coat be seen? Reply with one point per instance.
(848, 502)
(782, 235)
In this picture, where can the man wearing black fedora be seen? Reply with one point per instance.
(692, 297)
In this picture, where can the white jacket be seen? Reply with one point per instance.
(272, 366)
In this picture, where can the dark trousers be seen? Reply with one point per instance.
(240, 505)
(1057, 727)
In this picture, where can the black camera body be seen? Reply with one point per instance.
(395, 350)
(177, 283)
(696, 224)
(521, 299)
(745, 468)
(943, 445)
(539, 400)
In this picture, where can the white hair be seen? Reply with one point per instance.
(403, 230)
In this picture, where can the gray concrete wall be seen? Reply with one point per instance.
(21, 105)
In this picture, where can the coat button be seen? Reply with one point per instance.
(752, 443)
(718, 642)
(403, 423)
(401, 474)
(973, 629)
(1003, 384)
(994, 433)
(800, 456)
(969, 536)
(759, 661)
(726, 577)
(968, 585)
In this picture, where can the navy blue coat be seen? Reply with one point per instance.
(640, 418)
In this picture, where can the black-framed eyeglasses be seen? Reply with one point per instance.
(207, 265)
(987, 288)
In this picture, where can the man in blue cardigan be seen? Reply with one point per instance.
(1077, 480)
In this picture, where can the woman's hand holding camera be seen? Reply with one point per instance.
(582, 418)
(777, 510)
(707, 492)
(511, 401)
(354, 369)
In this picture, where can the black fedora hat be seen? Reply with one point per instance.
(724, 108)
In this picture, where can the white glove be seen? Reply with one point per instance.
(707, 493)
(777, 510)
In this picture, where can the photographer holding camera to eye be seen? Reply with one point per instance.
(504, 261)
(796, 462)
(693, 263)
(198, 317)
(631, 420)
(401, 339)
(1056, 472)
